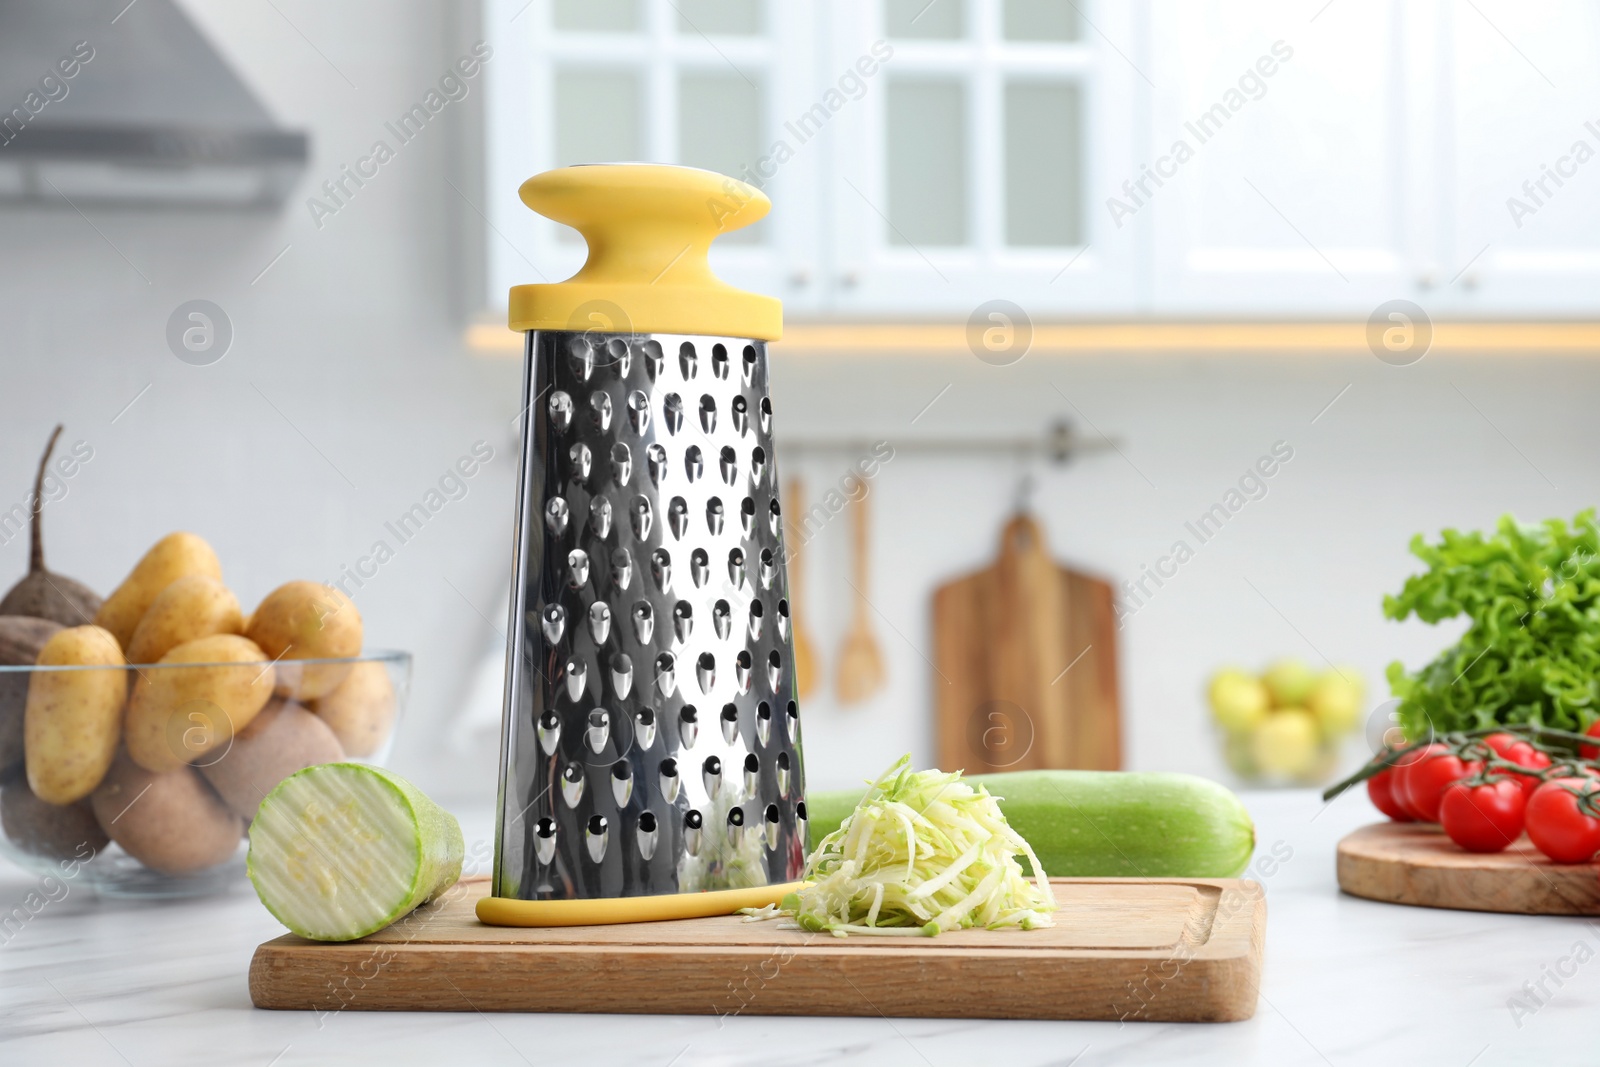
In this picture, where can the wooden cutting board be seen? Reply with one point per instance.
(1181, 950)
(1411, 863)
(1026, 664)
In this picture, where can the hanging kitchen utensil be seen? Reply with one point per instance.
(861, 672)
(1026, 663)
(805, 656)
(650, 749)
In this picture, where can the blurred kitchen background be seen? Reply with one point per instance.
(1186, 311)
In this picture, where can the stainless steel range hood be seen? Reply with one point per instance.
(111, 102)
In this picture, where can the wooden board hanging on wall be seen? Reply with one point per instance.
(1025, 655)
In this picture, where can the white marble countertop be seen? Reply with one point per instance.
(93, 980)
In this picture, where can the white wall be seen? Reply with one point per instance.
(354, 335)
(1301, 571)
(1402, 451)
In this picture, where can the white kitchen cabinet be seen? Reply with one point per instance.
(1297, 156)
(924, 157)
(1186, 158)
(1519, 211)
(971, 169)
(697, 82)
(1378, 160)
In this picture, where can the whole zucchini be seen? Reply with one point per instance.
(1104, 824)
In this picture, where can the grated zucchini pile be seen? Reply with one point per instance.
(922, 853)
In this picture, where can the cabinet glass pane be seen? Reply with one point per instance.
(1044, 153)
(927, 170)
(597, 16)
(738, 18)
(597, 116)
(927, 19)
(1040, 20)
(720, 128)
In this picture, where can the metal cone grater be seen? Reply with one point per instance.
(650, 753)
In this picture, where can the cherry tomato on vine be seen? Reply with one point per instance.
(1397, 781)
(1380, 789)
(1502, 744)
(1563, 819)
(1516, 750)
(1527, 756)
(1424, 780)
(1483, 818)
(1590, 751)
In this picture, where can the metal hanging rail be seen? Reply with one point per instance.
(1058, 445)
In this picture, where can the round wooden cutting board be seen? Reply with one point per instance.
(1412, 863)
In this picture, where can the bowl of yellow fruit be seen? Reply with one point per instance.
(1285, 725)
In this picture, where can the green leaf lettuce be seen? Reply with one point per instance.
(1532, 651)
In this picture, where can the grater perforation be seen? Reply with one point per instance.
(604, 572)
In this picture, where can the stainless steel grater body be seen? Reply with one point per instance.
(651, 739)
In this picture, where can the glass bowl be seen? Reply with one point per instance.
(1321, 761)
(211, 741)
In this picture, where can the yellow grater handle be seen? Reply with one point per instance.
(649, 228)
(503, 911)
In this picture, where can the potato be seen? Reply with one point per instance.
(174, 556)
(59, 832)
(178, 714)
(194, 606)
(307, 620)
(361, 711)
(73, 719)
(21, 640)
(171, 822)
(283, 739)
